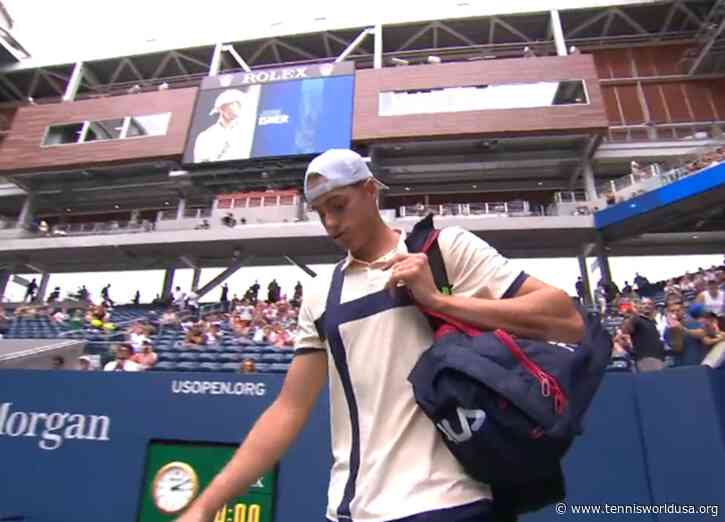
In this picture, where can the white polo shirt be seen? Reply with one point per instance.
(405, 467)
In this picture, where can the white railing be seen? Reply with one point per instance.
(109, 227)
(492, 209)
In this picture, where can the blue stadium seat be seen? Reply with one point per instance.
(230, 357)
(278, 368)
(229, 367)
(188, 356)
(188, 366)
(164, 366)
(262, 367)
(210, 366)
(168, 356)
(273, 357)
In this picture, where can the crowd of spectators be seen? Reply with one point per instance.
(678, 322)
(640, 173)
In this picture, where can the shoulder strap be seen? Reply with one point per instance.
(424, 238)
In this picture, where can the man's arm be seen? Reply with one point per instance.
(537, 310)
(269, 438)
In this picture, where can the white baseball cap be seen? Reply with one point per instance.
(228, 96)
(339, 168)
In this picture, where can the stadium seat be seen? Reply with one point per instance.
(273, 357)
(210, 366)
(188, 366)
(164, 366)
(168, 356)
(188, 356)
(229, 367)
(278, 368)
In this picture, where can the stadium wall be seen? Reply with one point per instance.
(22, 150)
(649, 439)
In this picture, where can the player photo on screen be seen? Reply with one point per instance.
(224, 124)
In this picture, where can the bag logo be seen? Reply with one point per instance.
(477, 418)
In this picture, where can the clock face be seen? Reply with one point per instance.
(174, 487)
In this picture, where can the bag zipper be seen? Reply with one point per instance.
(547, 382)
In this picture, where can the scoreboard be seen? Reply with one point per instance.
(176, 472)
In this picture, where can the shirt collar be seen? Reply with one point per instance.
(400, 248)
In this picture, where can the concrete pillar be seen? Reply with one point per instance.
(378, 47)
(585, 279)
(4, 278)
(26, 212)
(216, 60)
(74, 82)
(168, 283)
(43, 287)
(603, 262)
(181, 209)
(589, 185)
(558, 32)
(195, 279)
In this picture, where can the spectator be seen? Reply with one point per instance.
(30, 291)
(225, 296)
(621, 344)
(54, 295)
(649, 352)
(122, 363)
(204, 225)
(169, 318)
(229, 221)
(4, 323)
(580, 291)
(214, 335)
(195, 337)
(714, 339)
(136, 298)
(44, 228)
(627, 290)
(57, 363)
(297, 297)
(107, 301)
(84, 363)
(713, 297)
(192, 301)
(179, 298)
(76, 321)
(247, 366)
(60, 316)
(146, 358)
(136, 336)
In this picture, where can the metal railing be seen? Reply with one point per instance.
(491, 209)
(106, 227)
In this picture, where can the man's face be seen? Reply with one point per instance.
(122, 353)
(346, 212)
(676, 310)
(647, 307)
(230, 111)
(248, 366)
(713, 287)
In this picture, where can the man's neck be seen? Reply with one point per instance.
(383, 240)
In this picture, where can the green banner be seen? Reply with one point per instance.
(177, 472)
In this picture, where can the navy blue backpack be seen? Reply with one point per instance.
(508, 408)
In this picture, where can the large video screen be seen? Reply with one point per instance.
(272, 113)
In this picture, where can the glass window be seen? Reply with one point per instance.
(482, 97)
(224, 203)
(151, 125)
(103, 130)
(240, 203)
(63, 134)
(286, 200)
(270, 201)
(255, 201)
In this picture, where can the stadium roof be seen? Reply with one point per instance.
(135, 27)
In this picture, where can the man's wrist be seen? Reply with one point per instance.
(440, 302)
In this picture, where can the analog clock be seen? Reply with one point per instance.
(175, 486)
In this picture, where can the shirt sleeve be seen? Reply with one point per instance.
(475, 268)
(307, 337)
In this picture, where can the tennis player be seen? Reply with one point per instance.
(390, 463)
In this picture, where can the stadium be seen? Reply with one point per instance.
(586, 130)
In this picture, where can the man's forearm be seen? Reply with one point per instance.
(545, 314)
(264, 446)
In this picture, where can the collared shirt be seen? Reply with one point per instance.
(220, 143)
(405, 467)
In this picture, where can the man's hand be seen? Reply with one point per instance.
(412, 271)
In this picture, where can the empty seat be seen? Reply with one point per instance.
(210, 366)
(164, 366)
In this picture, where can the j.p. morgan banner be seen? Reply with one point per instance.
(271, 113)
(76, 446)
